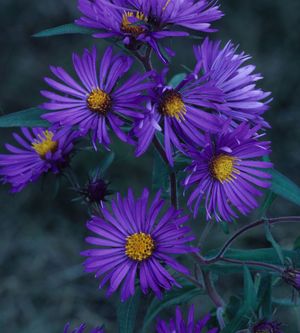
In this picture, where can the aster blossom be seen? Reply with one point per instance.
(243, 100)
(41, 150)
(228, 173)
(144, 21)
(132, 240)
(179, 325)
(82, 329)
(99, 101)
(181, 113)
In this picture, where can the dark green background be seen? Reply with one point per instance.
(41, 281)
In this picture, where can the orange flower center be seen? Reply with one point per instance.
(139, 246)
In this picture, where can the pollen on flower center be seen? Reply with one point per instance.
(222, 168)
(139, 246)
(99, 101)
(45, 143)
(172, 105)
(131, 23)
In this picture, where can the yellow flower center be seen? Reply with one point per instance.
(132, 23)
(99, 101)
(172, 105)
(139, 246)
(44, 144)
(222, 168)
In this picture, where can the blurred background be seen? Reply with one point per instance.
(41, 233)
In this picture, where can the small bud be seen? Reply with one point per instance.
(265, 326)
(95, 191)
(292, 277)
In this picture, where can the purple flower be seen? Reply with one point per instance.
(292, 277)
(267, 327)
(81, 329)
(179, 325)
(243, 100)
(180, 113)
(227, 173)
(144, 21)
(41, 151)
(132, 240)
(99, 101)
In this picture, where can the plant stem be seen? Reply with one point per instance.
(288, 219)
(211, 290)
(254, 263)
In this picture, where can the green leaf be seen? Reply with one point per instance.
(284, 187)
(160, 176)
(178, 78)
(243, 315)
(275, 245)
(288, 302)
(268, 255)
(174, 297)
(24, 118)
(107, 162)
(270, 198)
(265, 296)
(127, 313)
(66, 29)
(297, 244)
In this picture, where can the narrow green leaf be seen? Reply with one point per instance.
(160, 176)
(174, 297)
(127, 313)
(265, 296)
(66, 29)
(178, 78)
(297, 244)
(288, 302)
(275, 245)
(107, 162)
(24, 118)
(270, 198)
(284, 187)
(244, 313)
(268, 255)
(249, 290)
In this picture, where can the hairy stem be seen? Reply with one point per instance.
(287, 219)
(211, 290)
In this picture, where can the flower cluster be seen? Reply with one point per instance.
(212, 117)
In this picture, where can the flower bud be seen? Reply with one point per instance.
(292, 277)
(265, 326)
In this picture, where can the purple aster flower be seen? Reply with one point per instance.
(243, 100)
(144, 21)
(40, 151)
(179, 325)
(132, 240)
(267, 327)
(227, 173)
(81, 329)
(99, 101)
(180, 113)
(292, 277)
